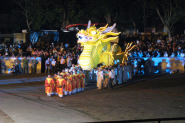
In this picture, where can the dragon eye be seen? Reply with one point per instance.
(80, 37)
(93, 32)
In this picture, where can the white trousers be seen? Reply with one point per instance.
(60, 95)
(49, 94)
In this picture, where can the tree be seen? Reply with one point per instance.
(170, 12)
(25, 9)
(41, 14)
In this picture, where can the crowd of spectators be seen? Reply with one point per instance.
(171, 47)
(145, 48)
(45, 50)
(54, 54)
(57, 57)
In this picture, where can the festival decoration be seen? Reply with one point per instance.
(98, 47)
(126, 53)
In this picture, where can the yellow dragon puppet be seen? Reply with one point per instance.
(98, 47)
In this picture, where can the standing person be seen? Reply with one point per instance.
(47, 65)
(69, 61)
(90, 79)
(94, 76)
(100, 78)
(55, 83)
(34, 65)
(119, 75)
(78, 61)
(63, 73)
(106, 75)
(78, 86)
(60, 86)
(62, 63)
(72, 68)
(0, 64)
(125, 73)
(130, 66)
(49, 83)
(53, 65)
(58, 61)
(73, 82)
(82, 80)
(25, 65)
(114, 71)
(68, 89)
(17, 63)
(111, 78)
(74, 61)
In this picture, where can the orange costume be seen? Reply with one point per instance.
(78, 86)
(49, 86)
(69, 84)
(59, 87)
(82, 81)
(55, 84)
(63, 74)
(73, 83)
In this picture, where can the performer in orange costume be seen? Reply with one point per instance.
(55, 84)
(77, 76)
(49, 85)
(63, 73)
(69, 84)
(58, 74)
(82, 80)
(60, 86)
(73, 82)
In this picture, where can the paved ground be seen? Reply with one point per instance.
(158, 96)
(25, 102)
(21, 76)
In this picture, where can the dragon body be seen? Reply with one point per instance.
(97, 46)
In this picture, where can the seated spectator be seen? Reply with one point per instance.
(173, 55)
(182, 55)
(165, 54)
(13, 70)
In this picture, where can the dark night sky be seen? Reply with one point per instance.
(13, 21)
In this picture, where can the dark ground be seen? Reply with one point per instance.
(144, 97)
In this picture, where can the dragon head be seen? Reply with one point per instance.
(91, 35)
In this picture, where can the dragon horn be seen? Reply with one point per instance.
(109, 29)
(130, 44)
(126, 49)
(132, 48)
(106, 25)
(89, 24)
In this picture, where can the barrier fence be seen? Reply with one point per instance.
(162, 64)
(8, 62)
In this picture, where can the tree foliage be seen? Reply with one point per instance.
(56, 14)
(170, 12)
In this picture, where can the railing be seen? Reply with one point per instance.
(158, 120)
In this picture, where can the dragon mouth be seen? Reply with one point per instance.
(83, 38)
